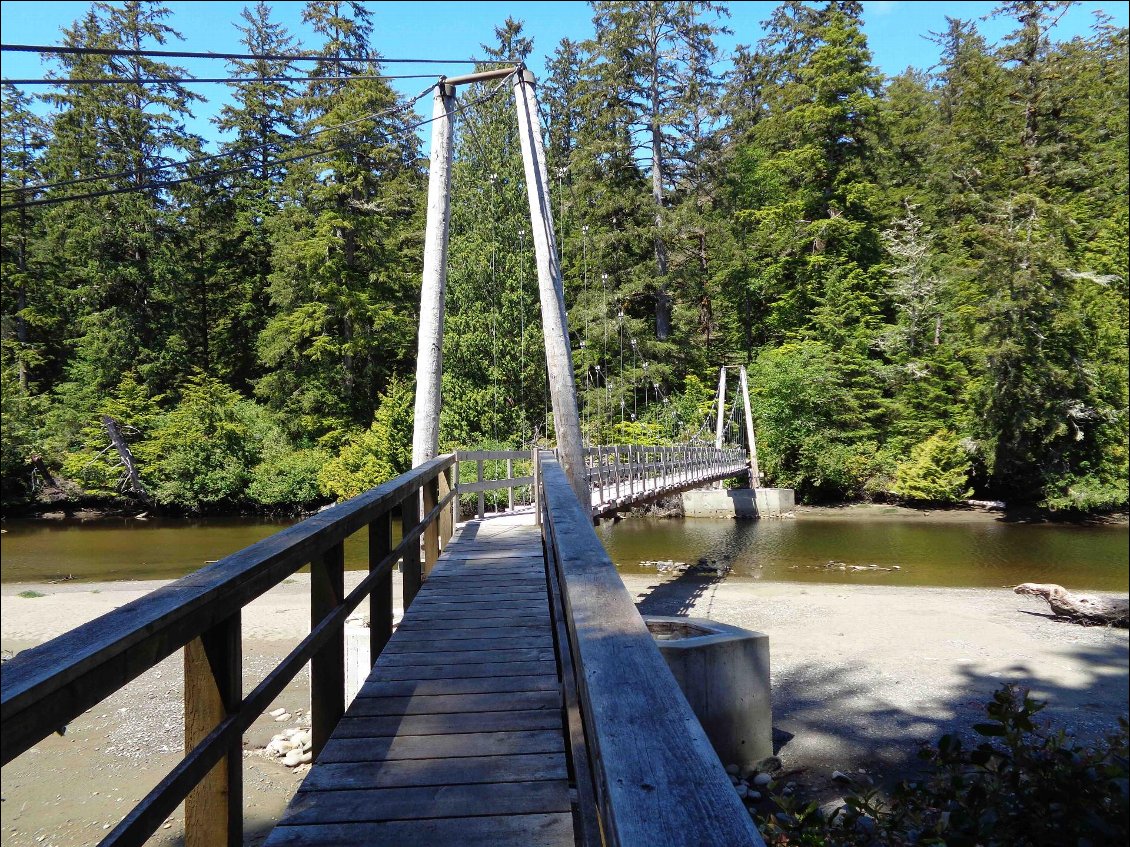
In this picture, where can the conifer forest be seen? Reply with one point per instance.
(925, 275)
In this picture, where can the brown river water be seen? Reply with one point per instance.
(974, 553)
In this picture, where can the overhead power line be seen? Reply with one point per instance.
(191, 79)
(273, 57)
(228, 154)
(49, 201)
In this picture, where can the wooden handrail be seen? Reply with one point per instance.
(656, 779)
(43, 688)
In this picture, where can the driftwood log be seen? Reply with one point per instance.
(1087, 609)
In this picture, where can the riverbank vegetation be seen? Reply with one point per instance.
(1024, 782)
(925, 274)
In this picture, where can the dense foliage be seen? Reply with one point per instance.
(1024, 784)
(926, 275)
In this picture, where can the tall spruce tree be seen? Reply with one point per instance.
(345, 243)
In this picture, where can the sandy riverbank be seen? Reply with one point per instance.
(861, 676)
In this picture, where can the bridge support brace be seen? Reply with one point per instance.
(555, 324)
(754, 470)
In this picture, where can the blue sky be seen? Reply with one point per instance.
(896, 31)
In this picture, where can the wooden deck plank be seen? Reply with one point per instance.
(452, 746)
(504, 640)
(435, 801)
(487, 770)
(466, 633)
(435, 704)
(448, 724)
(463, 671)
(437, 620)
(552, 830)
(495, 652)
(375, 688)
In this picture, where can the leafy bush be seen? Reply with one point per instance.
(379, 453)
(938, 470)
(1024, 785)
(201, 453)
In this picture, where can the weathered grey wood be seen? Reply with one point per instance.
(545, 830)
(213, 689)
(412, 576)
(327, 668)
(555, 321)
(126, 455)
(444, 687)
(754, 470)
(429, 499)
(466, 771)
(380, 601)
(441, 621)
(463, 671)
(494, 654)
(400, 747)
(502, 639)
(449, 724)
(494, 484)
(513, 482)
(436, 704)
(647, 746)
(450, 516)
(429, 350)
(47, 686)
(492, 455)
(424, 802)
(535, 634)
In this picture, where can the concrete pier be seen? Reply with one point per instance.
(739, 503)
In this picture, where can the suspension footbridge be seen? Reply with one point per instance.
(519, 701)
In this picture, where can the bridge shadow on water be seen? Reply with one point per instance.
(830, 714)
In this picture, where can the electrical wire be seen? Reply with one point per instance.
(273, 57)
(225, 155)
(48, 201)
(193, 79)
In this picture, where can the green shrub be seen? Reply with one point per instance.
(938, 470)
(379, 453)
(1024, 785)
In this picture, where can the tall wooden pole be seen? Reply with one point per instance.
(721, 415)
(754, 471)
(429, 361)
(554, 321)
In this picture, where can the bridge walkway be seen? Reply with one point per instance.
(457, 736)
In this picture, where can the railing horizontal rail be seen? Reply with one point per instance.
(494, 484)
(492, 455)
(656, 778)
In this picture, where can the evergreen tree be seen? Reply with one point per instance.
(345, 244)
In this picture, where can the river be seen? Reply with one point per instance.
(979, 552)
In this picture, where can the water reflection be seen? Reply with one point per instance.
(957, 554)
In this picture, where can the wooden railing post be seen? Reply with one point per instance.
(616, 468)
(327, 667)
(482, 494)
(429, 494)
(455, 505)
(380, 601)
(535, 495)
(213, 690)
(447, 516)
(510, 488)
(409, 518)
